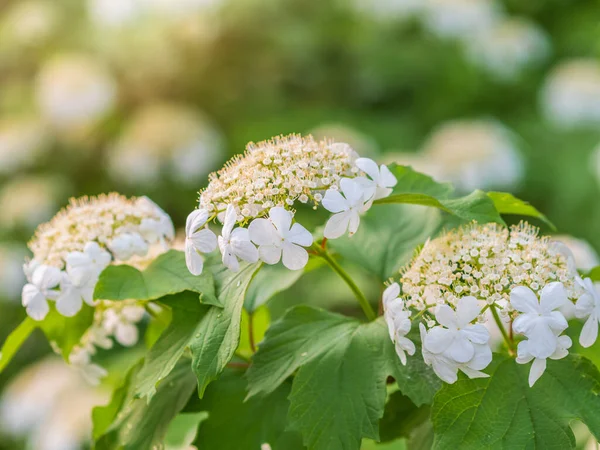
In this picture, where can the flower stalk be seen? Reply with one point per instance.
(509, 342)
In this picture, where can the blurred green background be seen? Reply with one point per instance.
(147, 97)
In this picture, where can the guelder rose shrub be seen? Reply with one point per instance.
(471, 348)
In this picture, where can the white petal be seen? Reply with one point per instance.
(263, 232)
(229, 222)
(354, 222)
(589, 332)
(391, 293)
(524, 300)
(445, 316)
(369, 188)
(564, 343)
(386, 177)
(195, 220)
(46, 277)
(556, 321)
(242, 247)
(126, 334)
(269, 254)
(537, 369)
(69, 302)
(229, 259)
(281, 218)
(337, 225)
(204, 240)
(35, 303)
(407, 345)
(294, 256)
(482, 357)
(438, 339)
(352, 190)
(585, 305)
(299, 235)
(524, 323)
(461, 350)
(473, 373)
(553, 296)
(381, 192)
(478, 334)
(334, 202)
(194, 262)
(446, 371)
(369, 167)
(542, 341)
(467, 310)
(523, 355)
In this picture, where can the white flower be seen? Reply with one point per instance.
(156, 229)
(398, 322)
(122, 324)
(236, 243)
(381, 179)
(198, 239)
(81, 359)
(588, 306)
(36, 294)
(459, 338)
(447, 369)
(346, 208)
(74, 290)
(540, 323)
(126, 245)
(277, 236)
(92, 261)
(539, 364)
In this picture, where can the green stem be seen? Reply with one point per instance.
(507, 340)
(362, 300)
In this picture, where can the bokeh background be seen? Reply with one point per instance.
(147, 97)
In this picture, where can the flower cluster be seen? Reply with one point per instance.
(260, 187)
(71, 251)
(522, 278)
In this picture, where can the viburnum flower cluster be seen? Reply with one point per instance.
(72, 249)
(522, 278)
(259, 189)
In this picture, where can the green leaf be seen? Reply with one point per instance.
(387, 238)
(271, 280)
(103, 416)
(504, 412)
(507, 203)
(183, 429)
(187, 314)
(400, 417)
(15, 340)
(338, 394)
(64, 333)
(419, 189)
(142, 425)
(237, 425)
(218, 334)
(594, 274)
(166, 275)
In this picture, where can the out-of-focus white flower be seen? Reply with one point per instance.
(456, 336)
(476, 154)
(235, 243)
(81, 360)
(380, 181)
(541, 324)
(588, 307)
(198, 239)
(74, 90)
(12, 277)
(121, 322)
(460, 19)
(114, 13)
(165, 137)
(127, 245)
(279, 240)
(21, 143)
(398, 322)
(39, 290)
(582, 253)
(361, 143)
(347, 208)
(29, 22)
(570, 96)
(508, 47)
(28, 200)
(49, 405)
